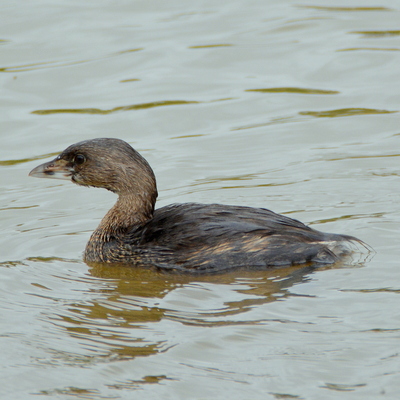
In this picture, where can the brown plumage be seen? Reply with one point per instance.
(184, 237)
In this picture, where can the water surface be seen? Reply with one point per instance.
(287, 105)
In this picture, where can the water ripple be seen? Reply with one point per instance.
(345, 112)
(141, 106)
(370, 49)
(56, 64)
(208, 46)
(133, 384)
(293, 90)
(25, 160)
(343, 388)
(377, 34)
(324, 8)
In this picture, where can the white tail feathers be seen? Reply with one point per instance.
(350, 250)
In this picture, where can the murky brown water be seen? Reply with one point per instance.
(287, 105)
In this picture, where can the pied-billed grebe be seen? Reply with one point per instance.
(190, 237)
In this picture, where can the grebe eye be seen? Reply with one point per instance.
(79, 159)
